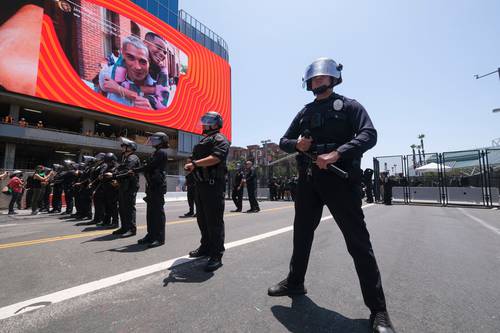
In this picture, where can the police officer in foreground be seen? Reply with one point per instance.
(335, 130)
(156, 187)
(128, 186)
(209, 169)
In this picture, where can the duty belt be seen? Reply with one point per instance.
(323, 148)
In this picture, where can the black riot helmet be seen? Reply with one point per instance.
(158, 139)
(68, 164)
(100, 157)
(89, 160)
(322, 66)
(128, 143)
(57, 167)
(110, 158)
(213, 120)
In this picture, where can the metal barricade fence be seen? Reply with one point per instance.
(468, 177)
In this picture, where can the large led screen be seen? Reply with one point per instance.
(113, 57)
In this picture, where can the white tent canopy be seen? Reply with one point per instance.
(432, 167)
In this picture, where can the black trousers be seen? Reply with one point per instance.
(210, 216)
(126, 207)
(56, 197)
(46, 198)
(369, 194)
(86, 202)
(77, 194)
(110, 204)
(15, 196)
(237, 196)
(343, 199)
(252, 197)
(99, 198)
(155, 214)
(69, 198)
(191, 193)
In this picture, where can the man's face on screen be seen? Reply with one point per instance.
(136, 62)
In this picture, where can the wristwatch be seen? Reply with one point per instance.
(194, 163)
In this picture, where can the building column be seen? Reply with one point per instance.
(10, 155)
(88, 124)
(14, 112)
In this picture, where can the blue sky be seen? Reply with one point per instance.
(410, 63)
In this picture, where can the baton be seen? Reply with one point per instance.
(335, 169)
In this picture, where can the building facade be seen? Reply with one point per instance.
(38, 131)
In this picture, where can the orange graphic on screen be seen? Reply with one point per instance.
(131, 65)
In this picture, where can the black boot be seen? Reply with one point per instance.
(286, 289)
(213, 264)
(199, 252)
(381, 323)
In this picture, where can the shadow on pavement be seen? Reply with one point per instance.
(307, 316)
(129, 248)
(187, 271)
(101, 238)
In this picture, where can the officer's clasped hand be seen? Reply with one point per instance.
(303, 144)
(323, 160)
(189, 167)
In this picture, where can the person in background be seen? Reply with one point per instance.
(22, 122)
(16, 186)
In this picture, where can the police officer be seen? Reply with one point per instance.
(251, 184)
(367, 179)
(110, 192)
(338, 130)
(57, 188)
(156, 187)
(191, 192)
(69, 178)
(209, 167)
(96, 188)
(128, 186)
(237, 190)
(85, 193)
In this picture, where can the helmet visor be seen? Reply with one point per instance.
(208, 120)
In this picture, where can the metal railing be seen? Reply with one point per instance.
(469, 177)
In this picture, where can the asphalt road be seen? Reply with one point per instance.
(440, 270)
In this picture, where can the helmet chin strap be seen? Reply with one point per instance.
(320, 89)
(211, 131)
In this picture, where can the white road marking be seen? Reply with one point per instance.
(59, 296)
(481, 222)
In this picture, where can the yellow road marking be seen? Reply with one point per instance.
(108, 232)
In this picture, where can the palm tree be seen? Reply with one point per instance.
(414, 158)
(419, 156)
(421, 137)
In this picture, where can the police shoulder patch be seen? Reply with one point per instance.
(338, 104)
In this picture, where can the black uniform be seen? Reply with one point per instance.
(237, 190)
(191, 192)
(367, 180)
(69, 178)
(110, 193)
(350, 132)
(127, 191)
(57, 192)
(251, 182)
(98, 192)
(156, 187)
(210, 188)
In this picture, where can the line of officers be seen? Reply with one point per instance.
(111, 184)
